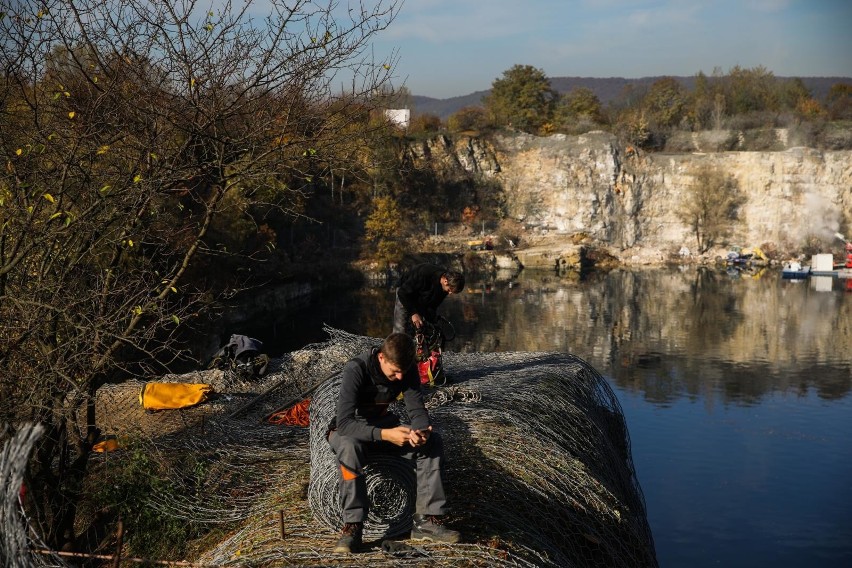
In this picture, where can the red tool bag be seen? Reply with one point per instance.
(432, 370)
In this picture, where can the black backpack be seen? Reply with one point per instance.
(243, 356)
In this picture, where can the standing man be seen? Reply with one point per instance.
(363, 425)
(420, 293)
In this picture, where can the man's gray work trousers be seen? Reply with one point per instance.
(402, 318)
(353, 455)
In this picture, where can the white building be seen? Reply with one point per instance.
(398, 116)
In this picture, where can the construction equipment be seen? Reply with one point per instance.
(755, 253)
(752, 255)
(481, 244)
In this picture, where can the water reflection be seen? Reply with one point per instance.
(735, 392)
(671, 333)
(666, 334)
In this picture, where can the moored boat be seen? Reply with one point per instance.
(793, 270)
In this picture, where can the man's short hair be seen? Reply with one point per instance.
(399, 349)
(455, 280)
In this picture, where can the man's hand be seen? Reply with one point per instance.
(398, 436)
(419, 437)
(416, 320)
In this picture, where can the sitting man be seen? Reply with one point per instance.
(369, 383)
(420, 293)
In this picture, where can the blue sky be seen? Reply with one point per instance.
(450, 48)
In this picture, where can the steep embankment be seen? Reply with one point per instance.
(628, 200)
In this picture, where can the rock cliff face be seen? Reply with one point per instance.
(628, 199)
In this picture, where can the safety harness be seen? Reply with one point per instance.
(429, 340)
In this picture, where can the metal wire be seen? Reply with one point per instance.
(538, 450)
(538, 465)
(14, 537)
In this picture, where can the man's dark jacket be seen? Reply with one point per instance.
(420, 290)
(366, 393)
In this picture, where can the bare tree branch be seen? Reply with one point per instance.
(131, 131)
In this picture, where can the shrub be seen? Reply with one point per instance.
(425, 124)
(125, 486)
(761, 139)
(835, 136)
(508, 230)
(755, 119)
(468, 118)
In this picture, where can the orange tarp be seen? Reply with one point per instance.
(161, 396)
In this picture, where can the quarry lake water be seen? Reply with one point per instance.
(735, 388)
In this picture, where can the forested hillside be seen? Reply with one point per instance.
(607, 89)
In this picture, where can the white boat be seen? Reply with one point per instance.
(793, 270)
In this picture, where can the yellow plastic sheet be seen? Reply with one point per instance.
(162, 396)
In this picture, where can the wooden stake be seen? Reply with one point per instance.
(119, 537)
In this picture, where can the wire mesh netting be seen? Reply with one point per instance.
(14, 454)
(538, 465)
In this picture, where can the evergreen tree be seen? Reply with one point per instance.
(522, 99)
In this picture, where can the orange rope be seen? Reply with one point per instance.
(296, 415)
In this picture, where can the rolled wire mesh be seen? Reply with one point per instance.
(15, 539)
(544, 458)
(537, 454)
(390, 479)
(538, 464)
(240, 452)
(238, 455)
(390, 482)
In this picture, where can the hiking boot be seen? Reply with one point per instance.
(350, 538)
(431, 527)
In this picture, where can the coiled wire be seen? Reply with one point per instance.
(538, 465)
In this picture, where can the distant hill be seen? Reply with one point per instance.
(607, 89)
(445, 107)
